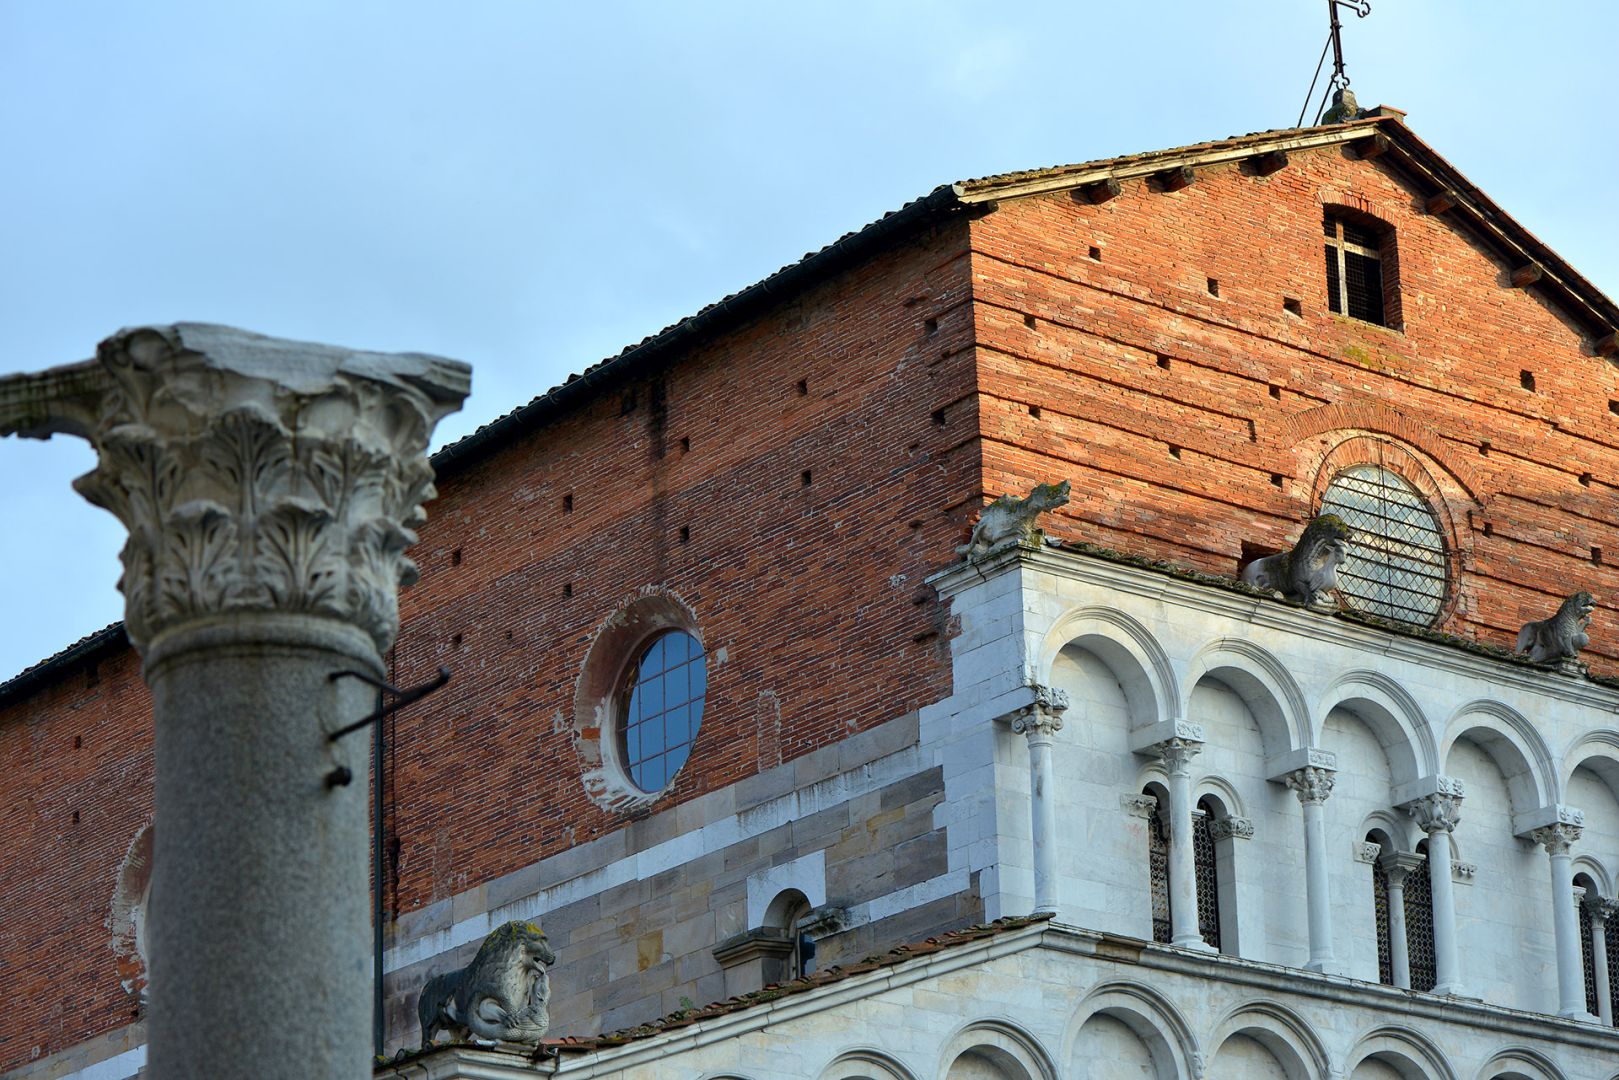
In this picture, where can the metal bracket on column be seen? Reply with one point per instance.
(401, 697)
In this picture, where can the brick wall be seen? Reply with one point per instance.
(793, 481)
(1191, 422)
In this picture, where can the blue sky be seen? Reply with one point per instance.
(530, 186)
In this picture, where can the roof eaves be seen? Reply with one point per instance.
(733, 309)
(1130, 166)
(1589, 303)
(103, 642)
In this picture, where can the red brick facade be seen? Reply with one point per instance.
(795, 477)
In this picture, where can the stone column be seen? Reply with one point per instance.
(1557, 839)
(1039, 722)
(1601, 911)
(1437, 815)
(270, 489)
(1397, 865)
(1177, 755)
(1313, 784)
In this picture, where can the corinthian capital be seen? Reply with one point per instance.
(253, 474)
(1557, 838)
(1311, 784)
(1435, 812)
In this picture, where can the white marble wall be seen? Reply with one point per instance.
(1138, 651)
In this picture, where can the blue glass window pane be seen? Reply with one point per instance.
(677, 757)
(650, 695)
(663, 708)
(653, 661)
(675, 721)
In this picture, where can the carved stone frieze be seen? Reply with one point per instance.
(253, 474)
(1311, 784)
(1435, 812)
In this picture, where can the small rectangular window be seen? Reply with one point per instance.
(1354, 259)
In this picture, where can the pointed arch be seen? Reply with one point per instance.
(1392, 714)
(1264, 684)
(1513, 744)
(1129, 651)
(1281, 1031)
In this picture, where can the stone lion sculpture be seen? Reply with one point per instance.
(1310, 570)
(1562, 636)
(1010, 516)
(500, 996)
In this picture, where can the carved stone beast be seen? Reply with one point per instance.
(1009, 516)
(500, 996)
(1310, 569)
(1563, 635)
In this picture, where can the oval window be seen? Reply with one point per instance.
(1395, 567)
(662, 708)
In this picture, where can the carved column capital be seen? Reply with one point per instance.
(1311, 784)
(1435, 812)
(1397, 865)
(1601, 909)
(254, 475)
(1556, 838)
(1177, 754)
(1043, 716)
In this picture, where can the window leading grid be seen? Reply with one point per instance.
(1395, 562)
(1354, 270)
(663, 708)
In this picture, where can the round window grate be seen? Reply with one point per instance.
(663, 707)
(1395, 566)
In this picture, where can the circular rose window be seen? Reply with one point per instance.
(1396, 565)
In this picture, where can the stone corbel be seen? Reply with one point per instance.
(1140, 806)
(1462, 873)
(1367, 851)
(1525, 825)
(1231, 828)
(823, 922)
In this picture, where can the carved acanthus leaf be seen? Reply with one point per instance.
(254, 474)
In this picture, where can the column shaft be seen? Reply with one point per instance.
(1447, 970)
(1177, 755)
(1313, 784)
(253, 846)
(1043, 809)
(1557, 840)
(1599, 966)
(1399, 956)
